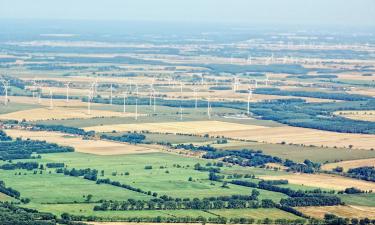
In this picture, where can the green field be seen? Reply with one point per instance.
(86, 209)
(300, 153)
(173, 183)
(14, 107)
(359, 199)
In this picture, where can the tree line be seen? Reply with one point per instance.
(23, 149)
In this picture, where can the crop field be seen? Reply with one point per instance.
(99, 147)
(342, 211)
(325, 181)
(296, 135)
(193, 127)
(60, 113)
(358, 115)
(350, 164)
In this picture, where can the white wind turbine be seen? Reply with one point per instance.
(181, 85)
(111, 94)
(196, 97)
(249, 96)
(249, 60)
(154, 95)
(6, 86)
(136, 102)
(67, 91)
(51, 99)
(89, 98)
(124, 102)
(266, 80)
(208, 108)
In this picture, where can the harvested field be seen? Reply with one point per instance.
(350, 164)
(346, 211)
(305, 136)
(191, 127)
(60, 113)
(97, 147)
(368, 115)
(324, 181)
(46, 102)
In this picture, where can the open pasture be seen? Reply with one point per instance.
(99, 147)
(324, 181)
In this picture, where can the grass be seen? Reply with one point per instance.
(14, 107)
(57, 188)
(254, 213)
(300, 153)
(86, 209)
(359, 199)
(174, 183)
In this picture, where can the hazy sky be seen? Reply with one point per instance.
(296, 12)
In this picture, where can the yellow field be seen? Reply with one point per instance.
(350, 164)
(98, 147)
(342, 211)
(46, 102)
(190, 127)
(324, 181)
(368, 115)
(297, 135)
(58, 113)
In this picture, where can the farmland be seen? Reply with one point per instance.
(227, 127)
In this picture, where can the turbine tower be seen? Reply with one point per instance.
(196, 97)
(208, 108)
(89, 97)
(136, 102)
(6, 86)
(51, 99)
(154, 95)
(124, 103)
(250, 95)
(111, 94)
(249, 60)
(67, 91)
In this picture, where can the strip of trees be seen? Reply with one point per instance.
(131, 137)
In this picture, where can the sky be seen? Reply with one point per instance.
(275, 12)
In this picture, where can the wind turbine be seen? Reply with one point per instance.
(6, 86)
(196, 97)
(51, 99)
(89, 97)
(208, 108)
(266, 81)
(136, 101)
(250, 95)
(124, 103)
(67, 91)
(249, 60)
(154, 95)
(111, 95)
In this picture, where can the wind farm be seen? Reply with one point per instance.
(147, 123)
